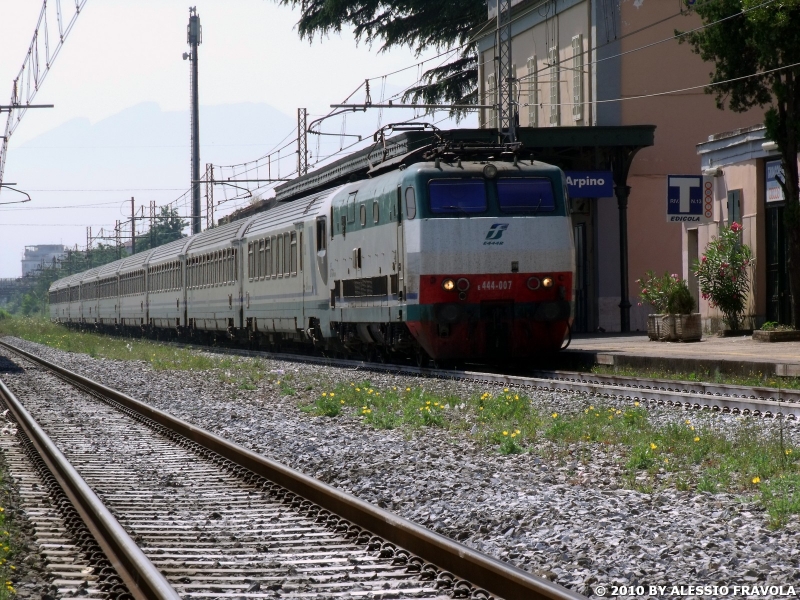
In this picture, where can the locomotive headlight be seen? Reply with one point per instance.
(490, 171)
(448, 285)
(534, 283)
(462, 284)
(547, 282)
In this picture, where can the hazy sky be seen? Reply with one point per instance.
(122, 54)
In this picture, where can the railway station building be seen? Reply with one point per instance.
(596, 63)
(744, 165)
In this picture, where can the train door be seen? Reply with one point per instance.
(581, 322)
(399, 262)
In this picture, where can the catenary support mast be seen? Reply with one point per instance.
(194, 35)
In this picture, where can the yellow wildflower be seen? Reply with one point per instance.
(788, 452)
(636, 403)
(358, 389)
(696, 439)
(332, 394)
(408, 389)
(505, 433)
(555, 415)
(324, 394)
(505, 389)
(756, 480)
(653, 446)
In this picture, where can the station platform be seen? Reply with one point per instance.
(713, 354)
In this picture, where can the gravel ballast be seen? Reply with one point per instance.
(568, 521)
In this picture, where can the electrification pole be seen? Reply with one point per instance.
(505, 77)
(133, 227)
(302, 141)
(194, 37)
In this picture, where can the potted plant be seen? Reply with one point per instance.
(724, 276)
(687, 324)
(655, 291)
(775, 332)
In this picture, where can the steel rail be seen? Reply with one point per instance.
(142, 579)
(481, 570)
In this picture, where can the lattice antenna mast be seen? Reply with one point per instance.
(506, 110)
(194, 37)
(302, 142)
(42, 52)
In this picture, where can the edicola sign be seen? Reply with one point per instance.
(690, 199)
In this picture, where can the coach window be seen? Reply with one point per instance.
(376, 212)
(260, 260)
(278, 256)
(267, 258)
(293, 253)
(363, 214)
(286, 254)
(411, 203)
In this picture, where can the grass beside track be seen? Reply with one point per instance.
(700, 453)
(750, 457)
(702, 376)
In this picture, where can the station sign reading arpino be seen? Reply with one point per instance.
(590, 184)
(690, 199)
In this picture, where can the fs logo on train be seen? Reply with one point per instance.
(494, 234)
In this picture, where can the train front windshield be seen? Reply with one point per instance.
(478, 196)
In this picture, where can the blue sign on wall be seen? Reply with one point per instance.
(590, 184)
(685, 199)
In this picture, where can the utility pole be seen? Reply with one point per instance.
(302, 141)
(88, 247)
(152, 224)
(116, 231)
(194, 37)
(209, 195)
(133, 228)
(505, 77)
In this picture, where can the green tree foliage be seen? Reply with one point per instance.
(168, 228)
(761, 40)
(418, 24)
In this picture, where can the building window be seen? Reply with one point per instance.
(734, 207)
(555, 87)
(577, 78)
(533, 93)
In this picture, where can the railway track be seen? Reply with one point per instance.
(759, 401)
(181, 512)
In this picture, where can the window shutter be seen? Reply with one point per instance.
(577, 78)
(555, 91)
(533, 93)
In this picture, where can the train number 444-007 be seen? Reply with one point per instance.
(495, 285)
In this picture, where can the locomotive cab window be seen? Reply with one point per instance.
(518, 195)
(457, 196)
(363, 214)
(351, 207)
(411, 203)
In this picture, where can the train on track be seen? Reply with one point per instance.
(462, 254)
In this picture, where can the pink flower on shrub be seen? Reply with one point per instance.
(704, 259)
(736, 227)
